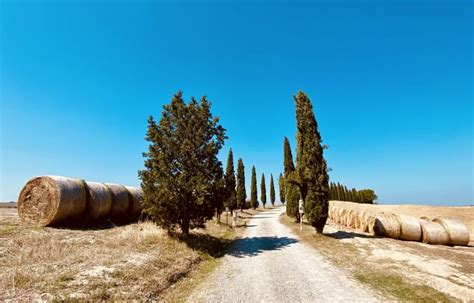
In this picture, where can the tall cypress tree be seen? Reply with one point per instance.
(272, 190)
(263, 191)
(311, 167)
(241, 192)
(230, 184)
(253, 189)
(291, 189)
(282, 189)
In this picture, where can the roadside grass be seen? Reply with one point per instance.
(139, 261)
(390, 284)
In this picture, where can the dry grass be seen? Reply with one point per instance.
(399, 270)
(137, 261)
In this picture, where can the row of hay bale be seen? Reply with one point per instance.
(436, 231)
(63, 201)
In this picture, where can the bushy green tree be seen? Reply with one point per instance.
(311, 167)
(183, 179)
(253, 189)
(230, 183)
(282, 189)
(263, 191)
(272, 190)
(241, 192)
(368, 196)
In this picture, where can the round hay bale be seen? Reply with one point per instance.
(49, 200)
(135, 198)
(371, 224)
(364, 218)
(99, 201)
(387, 225)
(120, 201)
(352, 220)
(434, 233)
(457, 232)
(343, 218)
(410, 228)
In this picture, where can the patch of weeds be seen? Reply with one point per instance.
(21, 280)
(101, 294)
(397, 287)
(65, 277)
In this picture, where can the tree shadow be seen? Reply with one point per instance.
(340, 234)
(213, 246)
(248, 247)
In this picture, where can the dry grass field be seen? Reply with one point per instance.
(136, 261)
(402, 270)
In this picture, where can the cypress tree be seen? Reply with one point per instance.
(230, 184)
(291, 189)
(179, 191)
(241, 193)
(263, 191)
(272, 190)
(282, 189)
(346, 194)
(253, 189)
(311, 166)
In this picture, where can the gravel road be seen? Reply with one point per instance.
(269, 264)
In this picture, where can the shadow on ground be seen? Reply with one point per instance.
(247, 247)
(347, 235)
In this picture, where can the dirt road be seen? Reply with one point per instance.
(269, 264)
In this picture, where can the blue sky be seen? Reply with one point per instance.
(391, 83)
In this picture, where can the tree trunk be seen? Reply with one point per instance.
(185, 228)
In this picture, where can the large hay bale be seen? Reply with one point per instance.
(386, 225)
(352, 219)
(49, 200)
(120, 201)
(135, 198)
(99, 202)
(458, 233)
(434, 233)
(410, 228)
(364, 221)
(343, 217)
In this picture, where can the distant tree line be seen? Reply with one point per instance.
(340, 192)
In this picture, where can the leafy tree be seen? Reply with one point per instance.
(290, 177)
(272, 190)
(241, 193)
(368, 196)
(263, 191)
(311, 167)
(183, 180)
(253, 189)
(230, 183)
(282, 189)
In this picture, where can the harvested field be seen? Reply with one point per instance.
(418, 270)
(402, 270)
(138, 261)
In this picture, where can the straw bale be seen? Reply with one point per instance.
(410, 228)
(386, 224)
(135, 198)
(457, 232)
(99, 202)
(434, 233)
(120, 201)
(49, 200)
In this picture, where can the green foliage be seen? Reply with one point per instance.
(341, 193)
(183, 180)
(253, 189)
(230, 183)
(263, 191)
(288, 157)
(282, 189)
(311, 167)
(241, 192)
(292, 195)
(272, 190)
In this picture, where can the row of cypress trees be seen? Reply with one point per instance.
(340, 192)
(235, 195)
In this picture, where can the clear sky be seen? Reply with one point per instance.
(391, 83)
